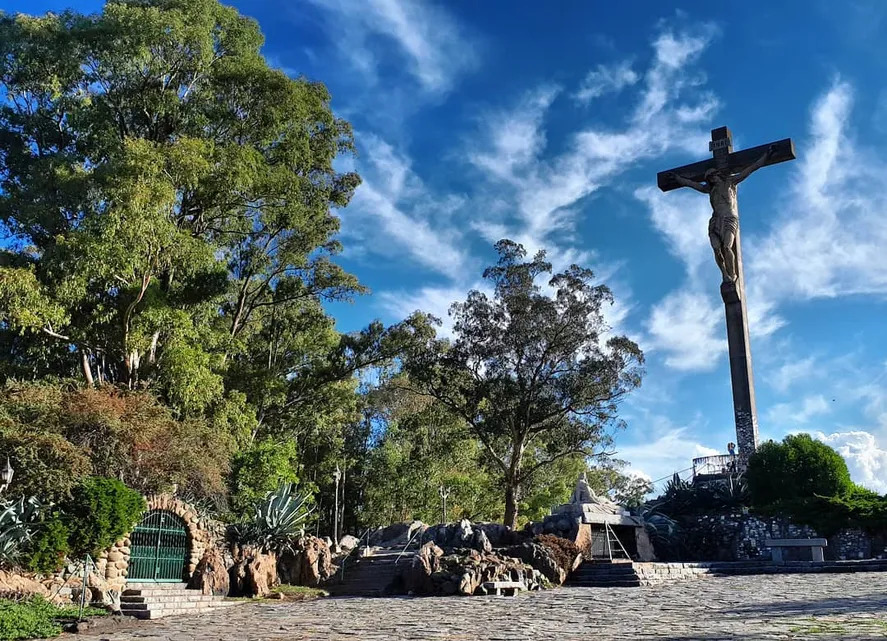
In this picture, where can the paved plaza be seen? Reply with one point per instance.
(799, 606)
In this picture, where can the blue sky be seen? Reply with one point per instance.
(547, 122)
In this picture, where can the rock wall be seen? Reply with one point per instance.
(738, 536)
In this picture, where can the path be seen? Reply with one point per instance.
(798, 606)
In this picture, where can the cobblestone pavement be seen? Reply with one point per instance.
(798, 606)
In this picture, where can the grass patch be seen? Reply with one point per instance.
(37, 618)
(299, 592)
(285, 593)
(852, 627)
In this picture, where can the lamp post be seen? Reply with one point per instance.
(444, 493)
(6, 476)
(337, 476)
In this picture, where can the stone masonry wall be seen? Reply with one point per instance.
(742, 536)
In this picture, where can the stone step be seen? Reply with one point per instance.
(149, 585)
(166, 598)
(158, 592)
(171, 609)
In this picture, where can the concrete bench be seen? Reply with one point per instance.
(815, 546)
(511, 588)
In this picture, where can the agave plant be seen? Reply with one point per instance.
(277, 520)
(16, 521)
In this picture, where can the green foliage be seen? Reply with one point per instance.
(277, 520)
(100, 512)
(17, 522)
(171, 195)
(682, 498)
(48, 548)
(36, 618)
(56, 434)
(798, 468)
(530, 374)
(260, 469)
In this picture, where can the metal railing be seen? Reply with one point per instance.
(720, 465)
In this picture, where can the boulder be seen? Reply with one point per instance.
(254, 574)
(416, 577)
(211, 575)
(480, 542)
(309, 562)
(349, 542)
(16, 584)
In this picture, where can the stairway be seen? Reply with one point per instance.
(156, 600)
(604, 574)
(370, 576)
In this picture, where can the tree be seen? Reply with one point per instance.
(799, 468)
(168, 195)
(534, 376)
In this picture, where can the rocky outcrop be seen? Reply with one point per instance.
(309, 562)
(211, 575)
(254, 574)
(433, 573)
(482, 537)
(555, 558)
(417, 577)
(12, 584)
(397, 534)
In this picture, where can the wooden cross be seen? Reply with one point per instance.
(734, 166)
(723, 157)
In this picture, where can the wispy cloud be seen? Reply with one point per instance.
(426, 39)
(393, 212)
(830, 240)
(793, 371)
(536, 197)
(686, 327)
(798, 413)
(605, 79)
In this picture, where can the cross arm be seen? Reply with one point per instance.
(737, 161)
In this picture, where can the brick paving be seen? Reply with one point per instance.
(798, 606)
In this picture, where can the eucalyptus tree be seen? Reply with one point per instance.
(167, 193)
(535, 376)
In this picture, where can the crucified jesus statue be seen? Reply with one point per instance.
(720, 185)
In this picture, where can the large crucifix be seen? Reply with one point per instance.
(718, 177)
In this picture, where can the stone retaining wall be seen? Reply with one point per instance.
(739, 536)
(656, 573)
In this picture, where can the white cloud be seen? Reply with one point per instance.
(544, 196)
(866, 457)
(433, 45)
(683, 219)
(789, 373)
(686, 326)
(672, 450)
(830, 240)
(793, 414)
(605, 79)
(432, 300)
(393, 211)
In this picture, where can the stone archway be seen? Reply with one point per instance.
(114, 564)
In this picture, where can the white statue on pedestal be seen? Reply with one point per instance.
(583, 495)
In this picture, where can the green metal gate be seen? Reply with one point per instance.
(159, 548)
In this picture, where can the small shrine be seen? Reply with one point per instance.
(601, 528)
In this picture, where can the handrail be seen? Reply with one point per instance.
(418, 531)
(354, 551)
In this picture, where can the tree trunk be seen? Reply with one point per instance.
(87, 368)
(511, 493)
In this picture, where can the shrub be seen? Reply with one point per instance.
(798, 468)
(100, 512)
(35, 618)
(563, 551)
(49, 546)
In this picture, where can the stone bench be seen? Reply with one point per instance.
(511, 588)
(815, 546)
